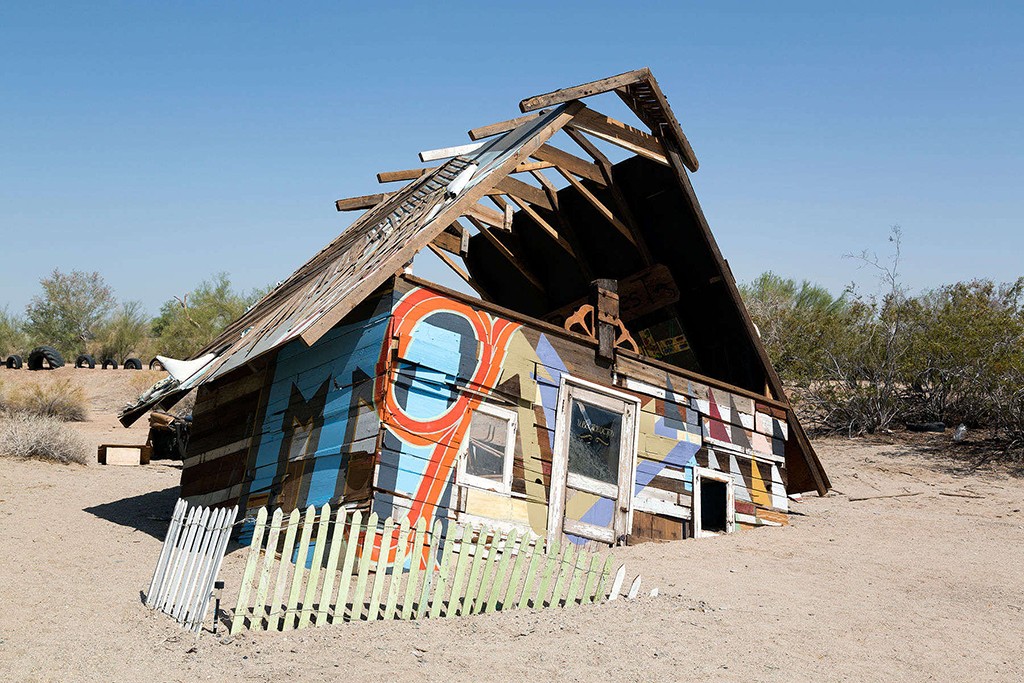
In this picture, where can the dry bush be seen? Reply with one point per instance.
(41, 438)
(60, 399)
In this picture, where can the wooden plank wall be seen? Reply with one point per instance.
(450, 356)
(300, 430)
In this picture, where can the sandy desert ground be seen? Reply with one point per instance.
(911, 588)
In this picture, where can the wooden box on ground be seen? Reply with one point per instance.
(119, 454)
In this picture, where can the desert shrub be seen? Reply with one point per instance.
(187, 324)
(41, 438)
(968, 349)
(60, 400)
(865, 363)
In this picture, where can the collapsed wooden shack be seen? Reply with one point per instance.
(604, 383)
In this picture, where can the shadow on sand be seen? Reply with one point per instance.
(149, 513)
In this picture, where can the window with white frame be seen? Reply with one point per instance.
(488, 449)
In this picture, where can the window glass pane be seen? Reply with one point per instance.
(594, 439)
(485, 455)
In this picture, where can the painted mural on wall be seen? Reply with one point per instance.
(379, 409)
(319, 430)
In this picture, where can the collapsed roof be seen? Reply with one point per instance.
(554, 222)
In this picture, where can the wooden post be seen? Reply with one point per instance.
(604, 297)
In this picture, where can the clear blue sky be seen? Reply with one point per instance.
(159, 143)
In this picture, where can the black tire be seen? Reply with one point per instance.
(85, 361)
(133, 364)
(45, 358)
(14, 362)
(156, 365)
(109, 363)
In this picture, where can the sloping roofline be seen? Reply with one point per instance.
(399, 225)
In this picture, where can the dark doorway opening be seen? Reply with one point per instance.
(713, 502)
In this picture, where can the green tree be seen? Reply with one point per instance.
(68, 312)
(186, 324)
(123, 333)
(797, 321)
(12, 334)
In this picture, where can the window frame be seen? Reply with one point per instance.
(511, 417)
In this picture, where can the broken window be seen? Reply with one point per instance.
(488, 449)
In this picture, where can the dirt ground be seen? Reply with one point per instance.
(919, 587)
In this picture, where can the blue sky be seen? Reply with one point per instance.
(159, 143)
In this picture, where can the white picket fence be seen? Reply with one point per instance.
(189, 562)
(398, 572)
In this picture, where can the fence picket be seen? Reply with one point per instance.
(550, 569)
(364, 567)
(532, 571)
(634, 589)
(454, 598)
(170, 541)
(620, 575)
(500, 572)
(526, 550)
(299, 570)
(242, 606)
(373, 613)
(480, 555)
(314, 568)
(564, 571)
(490, 565)
(180, 558)
(351, 543)
(605, 585)
(397, 569)
(194, 569)
(593, 579)
(259, 607)
(277, 611)
(197, 613)
(579, 579)
(442, 575)
(415, 560)
(338, 533)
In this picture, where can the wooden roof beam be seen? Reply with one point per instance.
(620, 200)
(367, 201)
(531, 166)
(507, 253)
(544, 225)
(569, 162)
(450, 262)
(578, 92)
(486, 216)
(408, 174)
(448, 152)
(617, 133)
(502, 126)
(524, 191)
(454, 239)
(601, 208)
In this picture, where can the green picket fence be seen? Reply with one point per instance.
(322, 567)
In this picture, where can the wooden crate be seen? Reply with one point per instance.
(121, 454)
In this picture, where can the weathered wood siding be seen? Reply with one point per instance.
(450, 355)
(378, 409)
(300, 431)
(223, 421)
